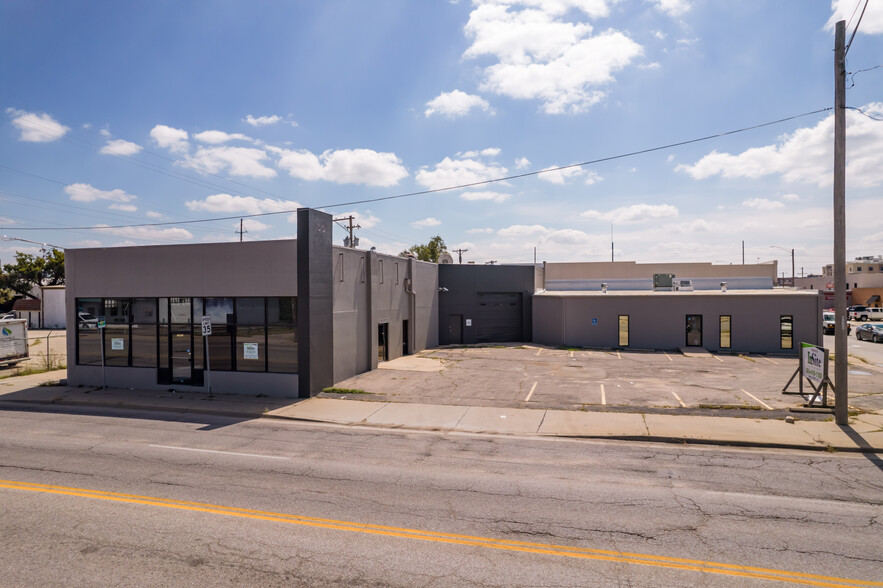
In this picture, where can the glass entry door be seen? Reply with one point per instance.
(182, 354)
(694, 330)
(181, 340)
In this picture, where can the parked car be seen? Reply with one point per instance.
(828, 323)
(7, 316)
(870, 333)
(851, 311)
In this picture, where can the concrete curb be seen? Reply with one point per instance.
(188, 407)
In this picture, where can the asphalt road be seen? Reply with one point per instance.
(126, 499)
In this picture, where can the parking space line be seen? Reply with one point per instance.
(618, 355)
(571, 353)
(532, 388)
(667, 356)
(717, 358)
(759, 401)
(603, 395)
(679, 399)
(769, 360)
(540, 350)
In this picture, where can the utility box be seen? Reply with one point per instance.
(662, 282)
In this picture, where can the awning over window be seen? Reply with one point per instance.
(872, 300)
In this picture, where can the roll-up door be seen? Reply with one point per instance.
(499, 317)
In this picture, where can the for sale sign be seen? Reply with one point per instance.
(815, 362)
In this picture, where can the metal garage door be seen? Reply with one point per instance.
(499, 317)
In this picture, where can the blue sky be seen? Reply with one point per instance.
(126, 113)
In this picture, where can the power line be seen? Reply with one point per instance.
(448, 188)
(853, 74)
(855, 30)
(859, 110)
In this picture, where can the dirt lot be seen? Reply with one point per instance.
(47, 350)
(532, 376)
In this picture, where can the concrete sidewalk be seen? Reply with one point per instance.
(864, 433)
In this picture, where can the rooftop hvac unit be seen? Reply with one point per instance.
(662, 281)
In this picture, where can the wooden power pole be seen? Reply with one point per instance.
(841, 393)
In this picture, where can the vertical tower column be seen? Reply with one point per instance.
(315, 305)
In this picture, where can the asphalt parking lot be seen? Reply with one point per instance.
(532, 376)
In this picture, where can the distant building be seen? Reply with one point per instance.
(864, 281)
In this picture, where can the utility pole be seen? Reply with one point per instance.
(841, 406)
(240, 231)
(743, 251)
(351, 241)
(460, 253)
(611, 243)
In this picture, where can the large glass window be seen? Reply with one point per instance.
(252, 334)
(623, 330)
(726, 321)
(88, 335)
(282, 334)
(786, 330)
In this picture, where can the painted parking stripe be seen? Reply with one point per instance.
(603, 395)
(532, 388)
(679, 399)
(759, 401)
(667, 356)
(691, 565)
(769, 360)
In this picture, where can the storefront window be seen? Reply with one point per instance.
(88, 335)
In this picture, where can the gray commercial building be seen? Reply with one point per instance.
(292, 317)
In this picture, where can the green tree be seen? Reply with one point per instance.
(30, 270)
(427, 252)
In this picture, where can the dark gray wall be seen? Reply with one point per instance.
(263, 268)
(465, 282)
(314, 302)
(657, 320)
(372, 288)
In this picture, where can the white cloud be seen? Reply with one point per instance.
(872, 21)
(226, 203)
(218, 137)
(104, 133)
(806, 155)
(672, 8)
(659, 35)
(240, 161)
(149, 234)
(88, 193)
(543, 56)
(594, 177)
(520, 231)
(492, 196)
(262, 121)
(36, 127)
(457, 172)
(763, 204)
(87, 243)
(123, 207)
(646, 66)
(480, 231)
(175, 140)
(522, 163)
(345, 166)
(791, 197)
(153, 214)
(455, 104)
(120, 147)
(635, 213)
(426, 222)
(560, 176)
(363, 166)
(249, 225)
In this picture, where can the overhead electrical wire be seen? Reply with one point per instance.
(444, 189)
(855, 30)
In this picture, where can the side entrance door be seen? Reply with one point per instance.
(455, 329)
(694, 330)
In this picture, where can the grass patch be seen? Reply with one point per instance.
(28, 371)
(333, 390)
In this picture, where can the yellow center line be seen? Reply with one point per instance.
(451, 538)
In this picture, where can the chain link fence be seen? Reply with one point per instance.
(47, 351)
